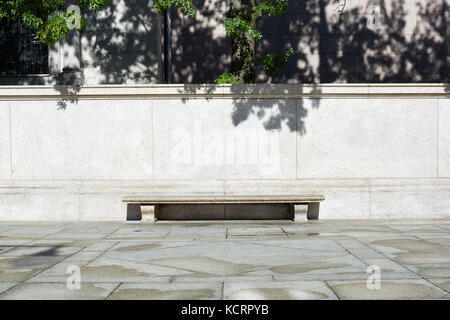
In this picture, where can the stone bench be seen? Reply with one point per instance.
(219, 207)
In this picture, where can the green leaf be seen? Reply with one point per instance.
(271, 8)
(273, 63)
(185, 6)
(48, 18)
(227, 78)
(238, 27)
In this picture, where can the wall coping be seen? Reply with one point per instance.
(262, 91)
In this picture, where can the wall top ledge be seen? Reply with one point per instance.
(263, 91)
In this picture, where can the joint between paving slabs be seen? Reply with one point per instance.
(114, 290)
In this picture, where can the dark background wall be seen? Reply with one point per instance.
(121, 44)
(332, 40)
(201, 51)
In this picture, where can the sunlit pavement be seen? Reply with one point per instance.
(325, 259)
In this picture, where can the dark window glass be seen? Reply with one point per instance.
(20, 52)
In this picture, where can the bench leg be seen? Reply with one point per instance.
(313, 211)
(299, 212)
(134, 212)
(149, 214)
(292, 211)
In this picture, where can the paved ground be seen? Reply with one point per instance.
(226, 260)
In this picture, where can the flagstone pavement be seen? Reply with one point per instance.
(324, 259)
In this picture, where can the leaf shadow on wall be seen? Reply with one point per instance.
(347, 51)
(336, 41)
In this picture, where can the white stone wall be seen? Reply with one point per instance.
(374, 151)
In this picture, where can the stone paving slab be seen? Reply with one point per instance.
(38, 230)
(16, 275)
(6, 285)
(76, 236)
(318, 245)
(136, 234)
(108, 270)
(58, 291)
(201, 234)
(200, 278)
(433, 270)
(305, 290)
(324, 259)
(41, 250)
(100, 246)
(412, 252)
(445, 226)
(171, 291)
(389, 289)
(344, 276)
(445, 240)
(444, 284)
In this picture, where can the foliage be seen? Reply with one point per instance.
(241, 25)
(237, 27)
(271, 8)
(241, 28)
(274, 62)
(227, 78)
(185, 6)
(50, 19)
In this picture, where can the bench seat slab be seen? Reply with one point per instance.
(168, 199)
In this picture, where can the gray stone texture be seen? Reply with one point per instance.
(226, 260)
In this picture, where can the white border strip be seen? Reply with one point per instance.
(263, 91)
